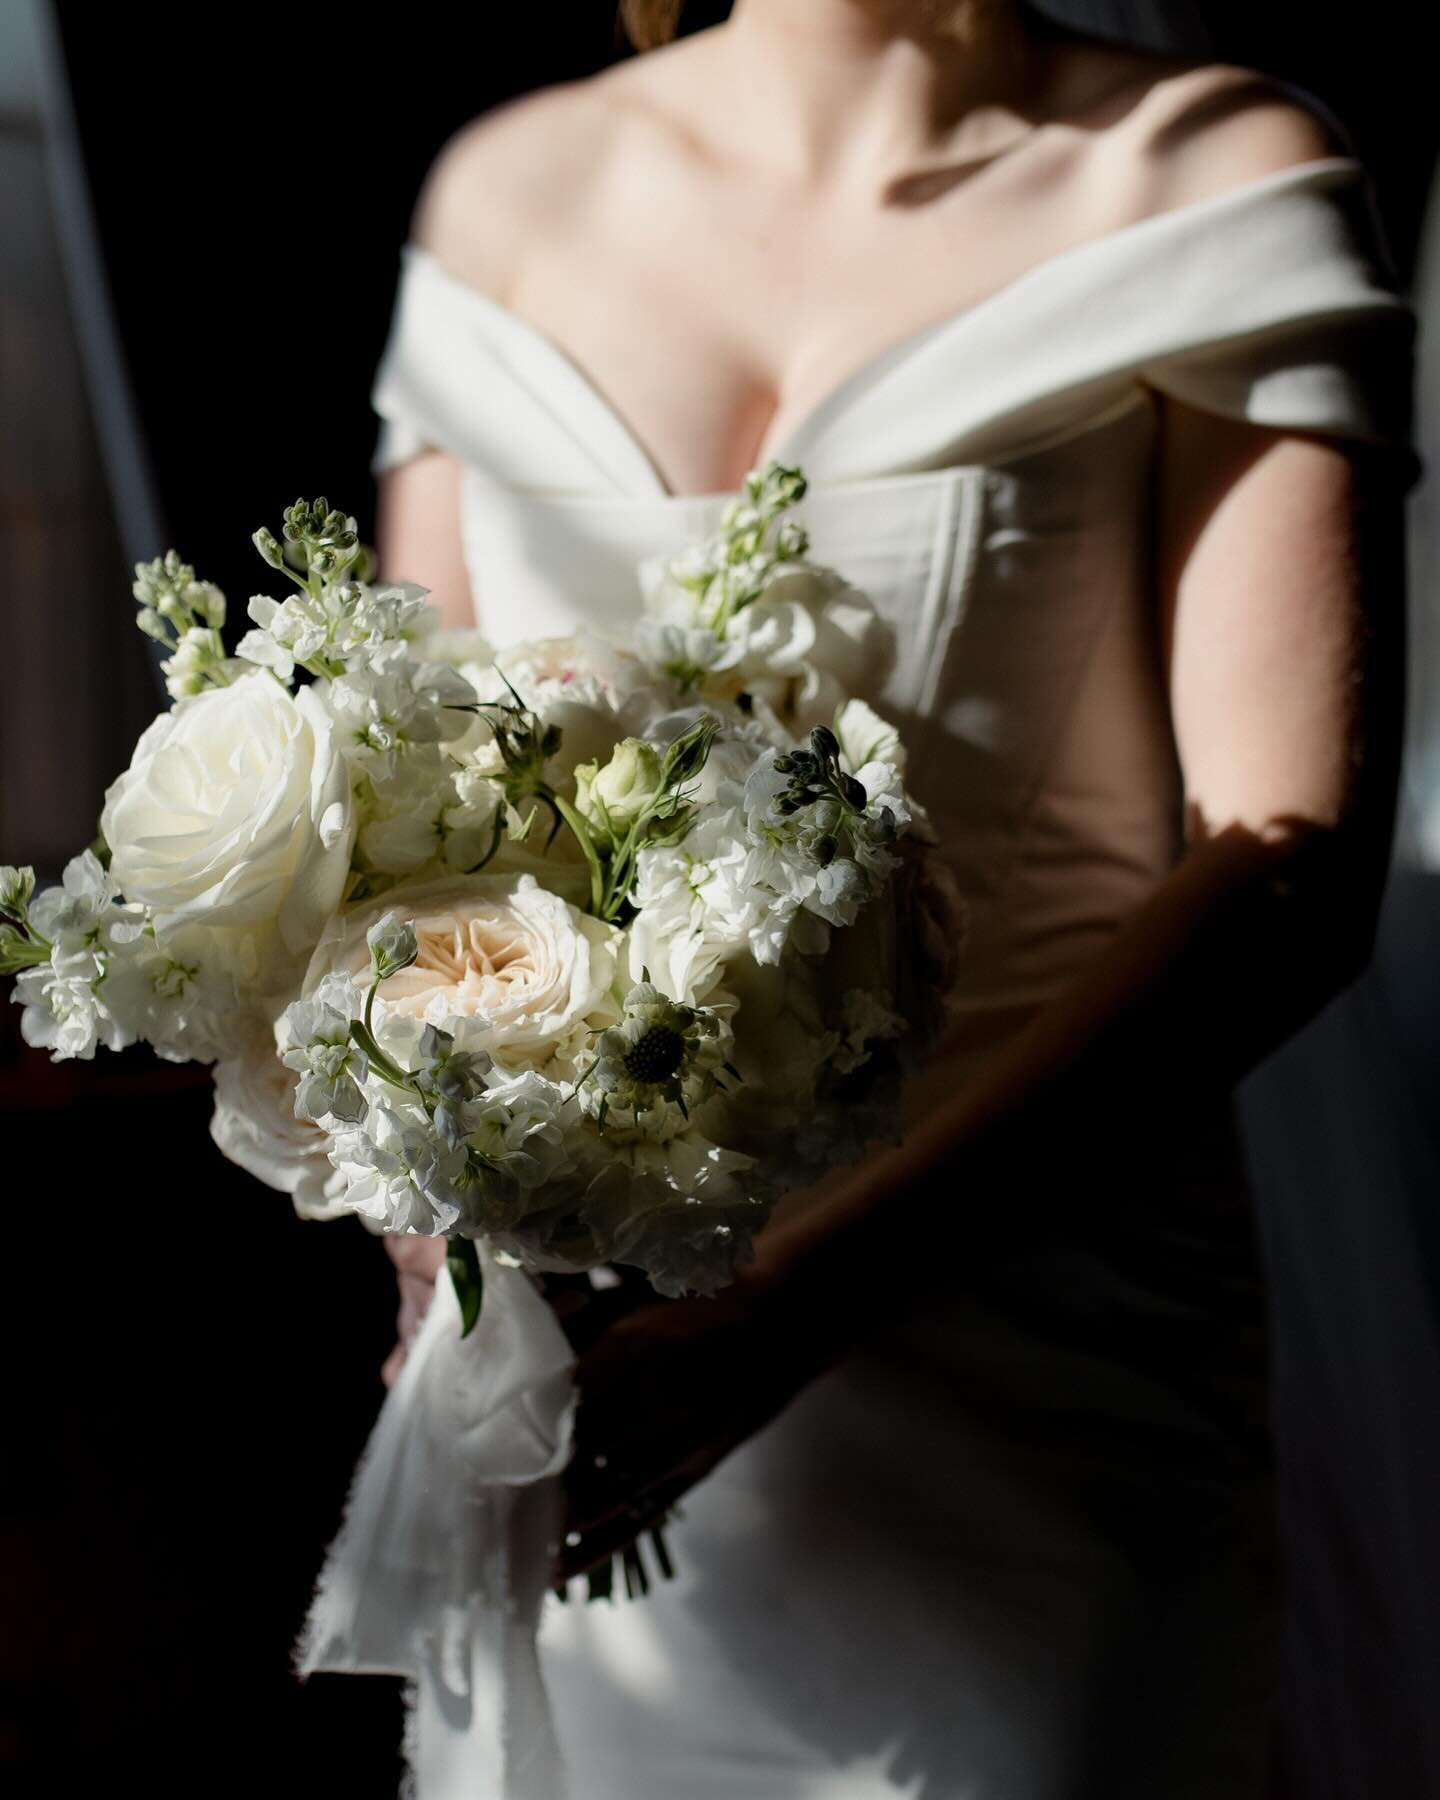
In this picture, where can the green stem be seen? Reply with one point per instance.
(587, 844)
(620, 869)
(379, 1061)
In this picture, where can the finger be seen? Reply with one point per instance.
(392, 1365)
(416, 1255)
(415, 1296)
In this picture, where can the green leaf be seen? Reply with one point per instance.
(464, 1266)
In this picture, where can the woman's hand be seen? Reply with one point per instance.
(418, 1261)
(667, 1389)
(581, 1308)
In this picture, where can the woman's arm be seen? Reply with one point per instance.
(418, 532)
(1281, 593)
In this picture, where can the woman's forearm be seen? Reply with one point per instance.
(1234, 950)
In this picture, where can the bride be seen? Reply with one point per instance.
(1096, 367)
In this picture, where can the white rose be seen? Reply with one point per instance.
(502, 963)
(254, 1124)
(235, 811)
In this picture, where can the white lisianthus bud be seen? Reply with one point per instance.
(612, 798)
(393, 946)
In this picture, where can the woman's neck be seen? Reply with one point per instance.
(831, 88)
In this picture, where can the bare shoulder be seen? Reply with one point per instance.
(1201, 128)
(511, 172)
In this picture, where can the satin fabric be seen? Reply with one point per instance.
(1021, 1545)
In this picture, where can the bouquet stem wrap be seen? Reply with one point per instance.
(444, 1556)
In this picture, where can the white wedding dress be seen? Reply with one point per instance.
(1021, 1546)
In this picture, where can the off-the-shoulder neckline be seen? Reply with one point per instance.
(417, 259)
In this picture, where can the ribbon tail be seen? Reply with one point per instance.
(442, 1562)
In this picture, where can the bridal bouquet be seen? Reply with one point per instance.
(585, 953)
(578, 954)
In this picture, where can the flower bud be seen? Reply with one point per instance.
(393, 946)
(824, 742)
(207, 601)
(686, 757)
(612, 798)
(16, 887)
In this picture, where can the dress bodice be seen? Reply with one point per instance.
(987, 480)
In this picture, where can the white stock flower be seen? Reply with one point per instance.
(382, 712)
(235, 812)
(865, 737)
(398, 1172)
(350, 628)
(313, 1037)
(430, 814)
(66, 1009)
(176, 990)
(805, 641)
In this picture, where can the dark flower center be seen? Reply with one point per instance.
(658, 1054)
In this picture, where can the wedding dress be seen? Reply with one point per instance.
(1020, 1545)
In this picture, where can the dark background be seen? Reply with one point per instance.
(192, 1371)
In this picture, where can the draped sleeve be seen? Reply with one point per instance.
(1287, 312)
(419, 387)
(460, 372)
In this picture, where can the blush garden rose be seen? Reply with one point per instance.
(503, 964)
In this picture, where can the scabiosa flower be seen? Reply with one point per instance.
(659, 1061)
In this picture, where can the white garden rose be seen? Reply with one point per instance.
(235, 812)
(503, 964)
